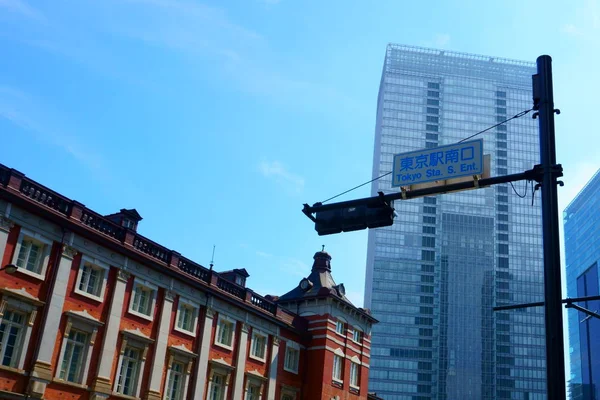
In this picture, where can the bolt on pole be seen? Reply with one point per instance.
(544, 103)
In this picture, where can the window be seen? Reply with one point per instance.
(239, 280)
(337, 367)
(224, 336)
(31, 254)
(130, 368)
(354, 374)
(431, 128)
(433, 102)
(73, 358)
(252, 390)
(292, 357)
(287, 396)
(91, 279)
(357, 336)
(175, 382)
(143, 299)
(431, 110)
(433, 93)
(339, 327)
(259, 346)
(11, 337)
(217, 387)
(187, 316)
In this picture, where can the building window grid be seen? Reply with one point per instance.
(258, 348)
(11, 337)
(127, 382)
(338, 362)
(176, 381)
(30, 255)
(292, 357)
(73, 359)
(225, 332)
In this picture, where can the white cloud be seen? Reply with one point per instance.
(263, 254)
(20, 7)
(30, 114)
(294, 267)
(585, 23)
(279, 173)
(441, 39)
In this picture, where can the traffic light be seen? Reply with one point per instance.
(354, 218)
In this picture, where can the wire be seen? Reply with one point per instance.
(517, 193)
(519, 115)
(356, 187)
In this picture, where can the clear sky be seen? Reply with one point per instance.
(218, 120)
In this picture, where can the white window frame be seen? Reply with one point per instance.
(97, 265)
(340, 327)
(360, 336)
(46, 243)
(147, 285)
(142, 347)
(253, 382)
(82, 322)
(256, 334)
(185, 358)
(225, 374)
(30, 311)
(338, 356)
(354, 367)
(183, 302)
(293, 346)
(225, 319)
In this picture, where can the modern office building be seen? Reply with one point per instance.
(582, 253)
(90, 309)
(433, 277)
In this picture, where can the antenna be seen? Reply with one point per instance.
(323, 249)
(212, 260)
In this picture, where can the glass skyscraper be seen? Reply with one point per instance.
(582, 253)
(433, 277)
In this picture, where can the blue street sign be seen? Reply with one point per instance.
(438, 163)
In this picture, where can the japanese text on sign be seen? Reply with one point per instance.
(439, 163)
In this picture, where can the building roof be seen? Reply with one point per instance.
(240, 271)
(320, 282)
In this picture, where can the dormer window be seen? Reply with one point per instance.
(239, 280)
(129, 224)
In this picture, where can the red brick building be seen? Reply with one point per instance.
(97, 311)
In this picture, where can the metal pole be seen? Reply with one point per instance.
(555, 361)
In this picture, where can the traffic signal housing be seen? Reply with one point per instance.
(354, 218)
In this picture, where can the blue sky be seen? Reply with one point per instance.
(218, 120)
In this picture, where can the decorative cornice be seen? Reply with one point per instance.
(22, 294)
(210, 312)
(85, 316)
(245, 327)
(138, 335)
(169, 295)
(123, 275)
(6, 224)
(69, 252)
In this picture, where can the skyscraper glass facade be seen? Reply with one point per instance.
(433, 277)
(582, 253)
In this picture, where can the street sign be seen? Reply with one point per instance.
(438, 163)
